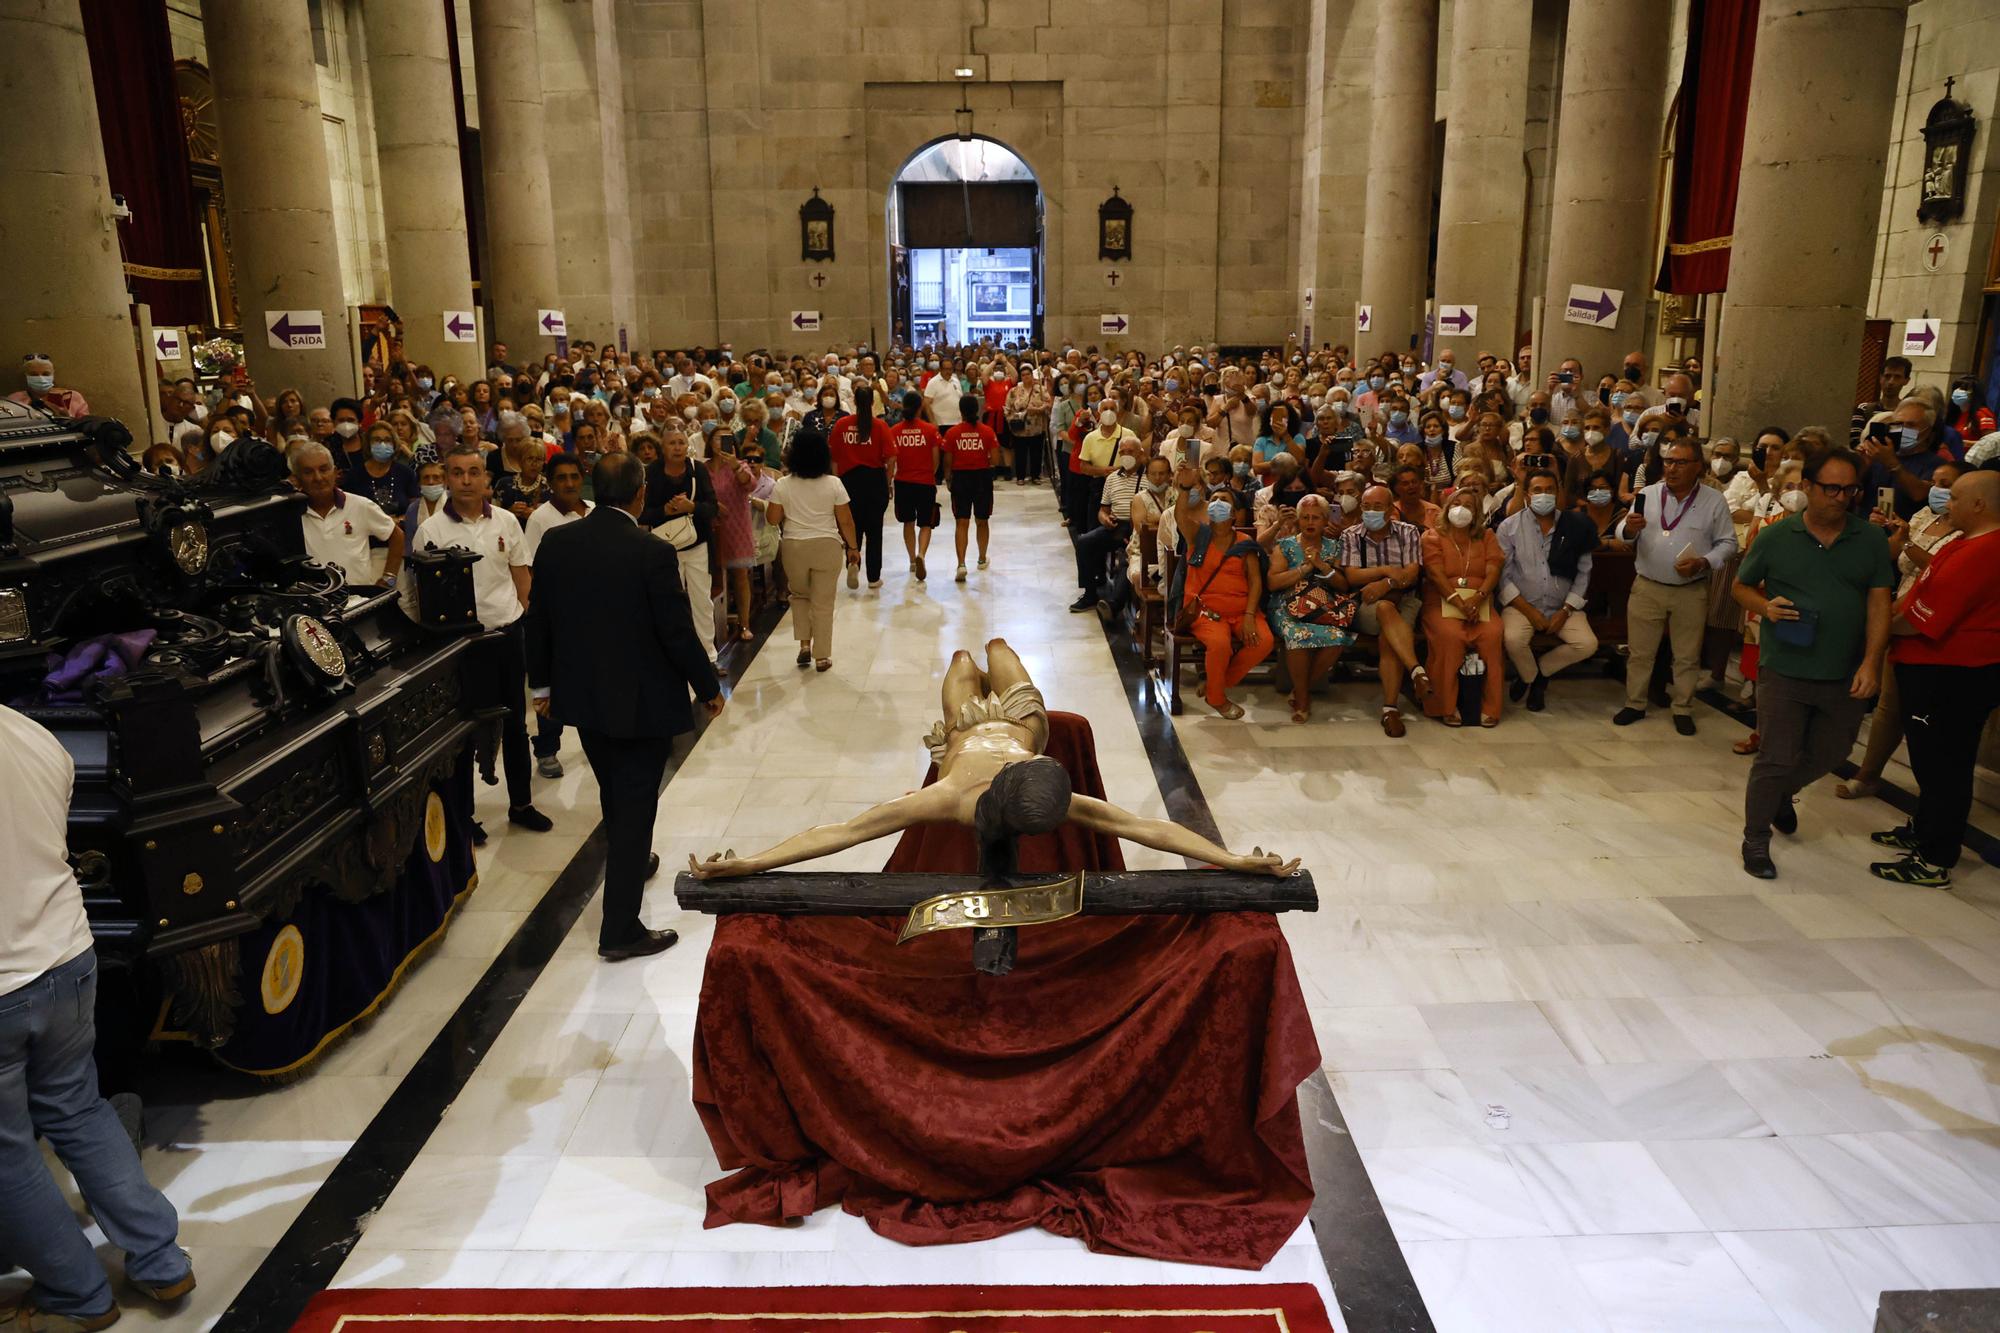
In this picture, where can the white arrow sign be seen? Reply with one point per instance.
(166, 344)
(1920, 337)
(1110, 324)
(460, 326)
(1595, 306)
(1459, 321)
(1364, 318)
(805, 321)
(552, 323)
(295, 330)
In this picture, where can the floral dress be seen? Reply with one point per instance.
(1299, 633)
(735, 543)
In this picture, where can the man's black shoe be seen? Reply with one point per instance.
(478, 834)
(652, 865)
(1786, 821)
(1087, 602)
(1625, 717)
(529, 818)
(648, 943)
(1538, 694)
(1519, 689)
(1757, 861)
(1683, 724)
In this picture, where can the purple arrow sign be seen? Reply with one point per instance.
(283, 328)
(1601, 307)
(1923, 337)
(1116, 323)
(165, 345)
(459, 325)
(799, 320)
(550, 323)
(1457, 319)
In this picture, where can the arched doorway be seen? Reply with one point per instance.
(965, 245)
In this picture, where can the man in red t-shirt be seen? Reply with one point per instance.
(865, 462)
(917, 448)
(971, 450)
(1946, 654)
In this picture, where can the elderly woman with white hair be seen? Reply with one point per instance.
(1311, 609)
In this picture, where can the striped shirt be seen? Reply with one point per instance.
(1119, 488)
(1399, 544)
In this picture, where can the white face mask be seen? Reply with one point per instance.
(1460, 516)
(221, 440)
(1793, 501)
(1127, 463)
(1349, 503)
(347, 430)
(1108, 420)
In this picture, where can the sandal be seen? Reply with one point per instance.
(743, 634)
(823, 664)
(1231, 711)
(1857, 789)
(1748, 745)
(1452, 720)
(1301, 713)
(1485, 721)
(1420, 684)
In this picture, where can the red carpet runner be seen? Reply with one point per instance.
(1274, 1308)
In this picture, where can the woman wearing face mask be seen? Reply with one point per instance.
(1027, 416)
(1221, 587)
(1275, 438)
(680, 510)
(1311, 608)
(1967, 412)
(1461, 566)
(430, 499)
(1914, 544)
(1597, 500)
(385, 474)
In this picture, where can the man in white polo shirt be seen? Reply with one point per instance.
(500, 581)
(565, 505)
(338, 526)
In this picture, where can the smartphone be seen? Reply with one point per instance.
(1885, 499)
(1566, 377)
(1639, 504)
(1537, 460)
(1878, 430)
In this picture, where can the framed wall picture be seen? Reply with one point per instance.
(1114, 227)
(1948, 132)
(815, 229)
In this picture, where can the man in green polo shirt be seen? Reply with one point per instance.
(1820, 580)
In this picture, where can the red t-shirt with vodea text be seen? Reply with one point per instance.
(851, 451)
(972, 447)
(1955, 606)
(916, 444)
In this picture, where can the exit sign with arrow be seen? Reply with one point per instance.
(295, 330)
(166, 344)
(806, 321)
(1920, 337)
(1110, 324)
(552, 323)
(459, 326)
(1460, 321)
(1595, 306)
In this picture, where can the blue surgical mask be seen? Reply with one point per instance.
(1617, 397)
(432, 493)
(381, 450)
(1940, 497)
(1572, 432)
(1543, 504)
(1242, 469)
(1646, 441)
(1960, 397)
(1599, 497)
(1220, 511)
(1377, 381)
(41, 383)
(1456, 411)
(1173, 386)
(1433, 437)
(1399, 418)
(1907, 436)
(1374, 520)
(710, 426)
(1632, 417)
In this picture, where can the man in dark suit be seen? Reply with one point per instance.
(612, 652)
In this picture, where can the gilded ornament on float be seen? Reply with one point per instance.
(1029, 905)
(188, 544)
(284, 970)
(434, 828)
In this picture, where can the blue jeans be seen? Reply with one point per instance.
(48, 1086)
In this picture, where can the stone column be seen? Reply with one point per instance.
(1607, 164)
(1396, 236)
(1808, 199)
(281, 231)
(423, 203)
(1340, 72)
(1482, 207)
(66, 293)
(513, 146)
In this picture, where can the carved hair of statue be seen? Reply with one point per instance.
(1028, 797)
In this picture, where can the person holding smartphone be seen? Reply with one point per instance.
(1819, 580)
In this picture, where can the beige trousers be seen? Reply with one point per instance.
(812, 567)
(1679, 611)
(1578, 642)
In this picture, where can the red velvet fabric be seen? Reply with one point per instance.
(1708, 145)
(1131, 1083)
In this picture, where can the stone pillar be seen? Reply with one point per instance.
(513, 145)
(1340, 72)
(1808, 199)
(66, 293)
(1607, 166)
(282, 239)
(1482, 206)
(1396, 237)
(423, 204)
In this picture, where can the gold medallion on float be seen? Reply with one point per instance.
(284, 969)
(434, 828)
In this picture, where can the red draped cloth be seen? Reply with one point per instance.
(1708, 145)
(1131, 1083)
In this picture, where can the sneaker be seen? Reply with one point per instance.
(1683, 724)
(1625, 717)
(1786, 821)
(982, 562)
(874, 583)
(168, 1292)
(854, 576)
(960, 578)
(1087, 602)
(1757, 861)
(529, 818)
(1912, 869)
(549, 766)
(1903, 838)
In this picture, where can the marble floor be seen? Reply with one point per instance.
(1598, 1078)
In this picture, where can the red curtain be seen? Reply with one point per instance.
(1708, 144)
(145, 155)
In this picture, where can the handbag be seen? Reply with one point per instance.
(679, 532)
(1317, 604)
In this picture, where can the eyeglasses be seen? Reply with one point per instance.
(1843, 492)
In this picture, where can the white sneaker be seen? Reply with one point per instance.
(874, 583)
(961, 575)
(982, 562)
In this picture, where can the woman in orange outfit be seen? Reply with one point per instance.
(1462, 562)
(1222, 585)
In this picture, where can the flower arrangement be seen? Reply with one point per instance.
(217, 356)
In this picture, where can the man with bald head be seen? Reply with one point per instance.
(1946, 656)
(1382, 557)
